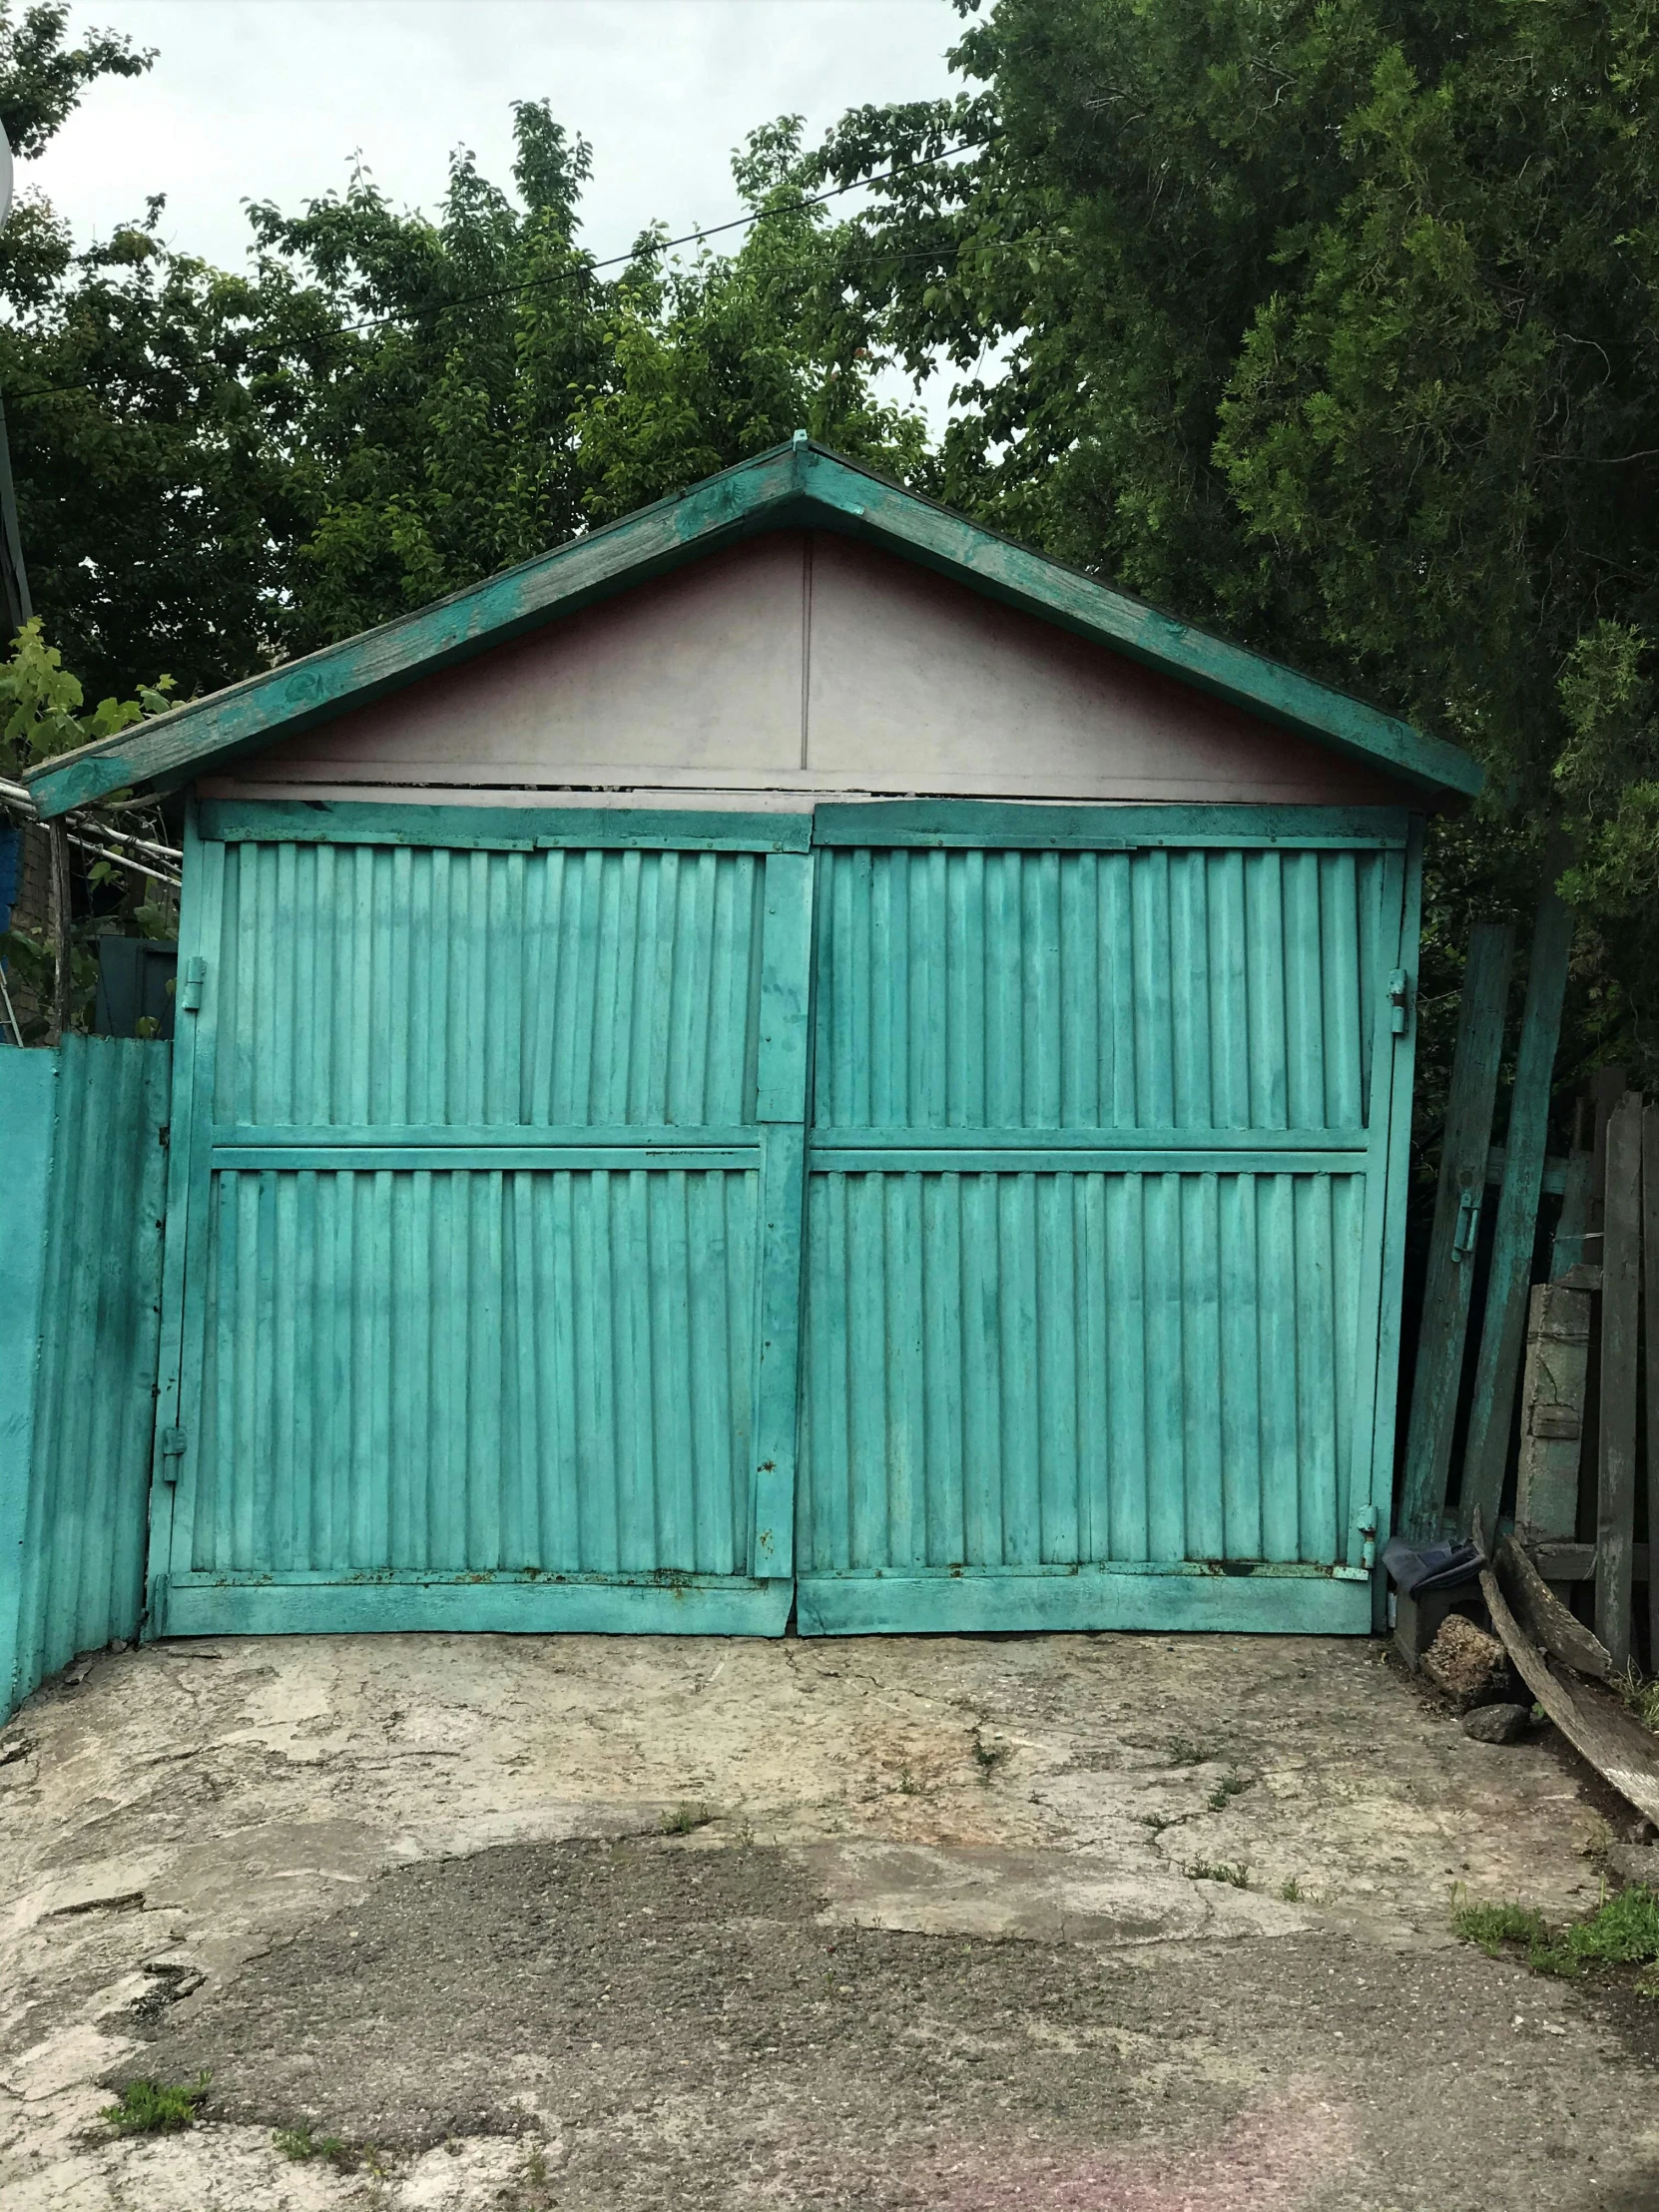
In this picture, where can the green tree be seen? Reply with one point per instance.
(1331, 323)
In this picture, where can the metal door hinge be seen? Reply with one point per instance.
(189, 992)
(1400, 1000)
(173, 1450)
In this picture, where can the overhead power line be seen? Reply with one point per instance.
(589, 269)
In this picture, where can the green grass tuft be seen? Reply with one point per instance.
(685, 1819)
(300, 2144)
(1219, 1870)
(1231, 1785)
(1622, 1931)
(155, 2107)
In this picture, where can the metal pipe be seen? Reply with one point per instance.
(124, 859)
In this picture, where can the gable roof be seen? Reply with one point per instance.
(798, 485)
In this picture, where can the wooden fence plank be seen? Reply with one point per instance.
(1552, 1414)
(1620, 1305)
(1504, 1324)
(1446, 1304)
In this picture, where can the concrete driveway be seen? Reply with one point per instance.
(1072, 1923)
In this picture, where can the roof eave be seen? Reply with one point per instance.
(791, 485)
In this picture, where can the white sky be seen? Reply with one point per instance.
(269, 99)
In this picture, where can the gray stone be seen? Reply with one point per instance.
(1497, 1724)
(1629, 1863)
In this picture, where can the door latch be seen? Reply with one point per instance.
(1468, 1223)
(190, 990)
(173, 1450)
(1400, 1000)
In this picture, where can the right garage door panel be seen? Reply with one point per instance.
(1088, 1284)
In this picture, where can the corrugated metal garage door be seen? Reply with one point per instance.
(472, 1327)
(495, 1158)
(1093, 1258)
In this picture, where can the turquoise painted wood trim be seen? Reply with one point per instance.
(781, 1106)
(1353, 1496)
(494, 1159)
(1396, 1188)
(974, 1139)
(778, 1378)
(1040, 1159)
(1445, 1303)
(1006, 1603)
(1509, 1277)
(791, 487)
(501, 829)
(28, 1102)
(786, 987)
(540, 1608)
(230, 1136)
(973, 823)
(174, 1482)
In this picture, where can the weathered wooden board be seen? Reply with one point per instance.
(1616, 1409)
(1445, 1303)
(1504, 1324)
(1544, 1618)
(1552, 1413)
(1591, 1718)
(1650, 1292)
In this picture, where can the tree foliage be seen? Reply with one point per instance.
(1331, 323)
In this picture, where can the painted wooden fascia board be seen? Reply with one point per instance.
(212, 732)
(793, 485)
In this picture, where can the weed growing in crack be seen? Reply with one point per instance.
(1185, 1751)
(155, 2107)
(1231, 1785)
(989, 1757)
(684, 1819)
(300, 2144)
(1219, 1870)
(1291, 1890)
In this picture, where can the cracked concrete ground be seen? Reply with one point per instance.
(593, 1924)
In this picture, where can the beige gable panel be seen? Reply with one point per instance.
(802, 665)
(972, 696)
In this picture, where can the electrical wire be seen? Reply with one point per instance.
(635, 253)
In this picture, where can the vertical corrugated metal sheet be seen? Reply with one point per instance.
(366, 984)
(1095, 990)
(1046, 1369)
(1026, 1364)
(83, 1553)
(477, 1371)
(545, 1367)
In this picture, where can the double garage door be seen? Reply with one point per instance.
(944, 1217)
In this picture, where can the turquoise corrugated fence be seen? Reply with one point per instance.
(82, 1135)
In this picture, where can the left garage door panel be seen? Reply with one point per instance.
(470, 1330)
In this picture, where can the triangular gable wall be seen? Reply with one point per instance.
(801, 662)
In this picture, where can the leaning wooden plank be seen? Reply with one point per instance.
(1445, 1303)
(1552, 1414)
(1573, 1221)
(1544, 1618)
(1591, 1718)
(1504, 1325)
(1616, 1384)
(1650, 1291)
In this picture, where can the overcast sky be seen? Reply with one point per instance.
(269, 99)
